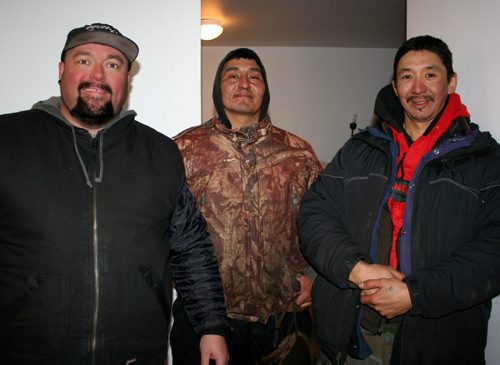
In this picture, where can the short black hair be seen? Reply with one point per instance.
(426, 43)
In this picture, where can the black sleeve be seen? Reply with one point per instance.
(325, 243)
(195, 269)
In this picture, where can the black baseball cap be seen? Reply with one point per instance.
(102, 34)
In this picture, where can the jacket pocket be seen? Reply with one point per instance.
(33, 314)
(146, 312)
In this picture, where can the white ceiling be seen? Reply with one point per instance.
(308, 23)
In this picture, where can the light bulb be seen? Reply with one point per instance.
(210, 29)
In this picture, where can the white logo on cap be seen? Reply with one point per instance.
(102, 27)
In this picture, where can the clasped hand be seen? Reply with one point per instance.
(382, 288)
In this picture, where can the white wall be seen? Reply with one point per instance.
(471, 30)
(314, 91)
(166, 89)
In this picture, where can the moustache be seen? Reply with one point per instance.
(85, 85)
(426, 97)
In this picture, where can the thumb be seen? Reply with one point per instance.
(370, 284)
(399, 275)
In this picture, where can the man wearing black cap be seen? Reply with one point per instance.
(95, 221)
(248, 177)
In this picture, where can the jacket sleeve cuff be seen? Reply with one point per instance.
(350, 263)
(310, 272)
(216, 330)
(415, 290)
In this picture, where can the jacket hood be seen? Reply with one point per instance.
(52, 106)
(245, 53)
(388, 108)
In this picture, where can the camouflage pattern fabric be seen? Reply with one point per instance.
(248, 184)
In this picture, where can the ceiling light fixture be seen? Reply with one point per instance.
(210, 29)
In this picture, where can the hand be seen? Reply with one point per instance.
(304, 298)
(214, 347)
(363, 271)
(389, 297)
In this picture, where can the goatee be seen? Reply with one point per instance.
(91, 111)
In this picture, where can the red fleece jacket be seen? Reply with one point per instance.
(408, 159)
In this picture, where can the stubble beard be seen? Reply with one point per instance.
(416, 117)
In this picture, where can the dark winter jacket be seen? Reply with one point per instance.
(451, 229)
(91, 232)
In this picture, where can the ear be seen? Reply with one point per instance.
(61, 69)
(452, 85)
(394, 88)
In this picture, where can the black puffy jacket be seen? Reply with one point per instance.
(85, 265)
(452, 225)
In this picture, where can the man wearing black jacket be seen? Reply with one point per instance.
(403, 225)
(95, 222)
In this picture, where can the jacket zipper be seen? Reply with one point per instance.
(95, 258)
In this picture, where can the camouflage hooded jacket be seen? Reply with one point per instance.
(248, 184)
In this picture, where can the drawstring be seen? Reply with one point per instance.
(85, 173)
(82, 164)
(400, 168)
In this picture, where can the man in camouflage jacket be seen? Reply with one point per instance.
(248, 178)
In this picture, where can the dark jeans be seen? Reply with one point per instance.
(248, 341)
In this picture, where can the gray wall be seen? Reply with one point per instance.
(314, 91)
